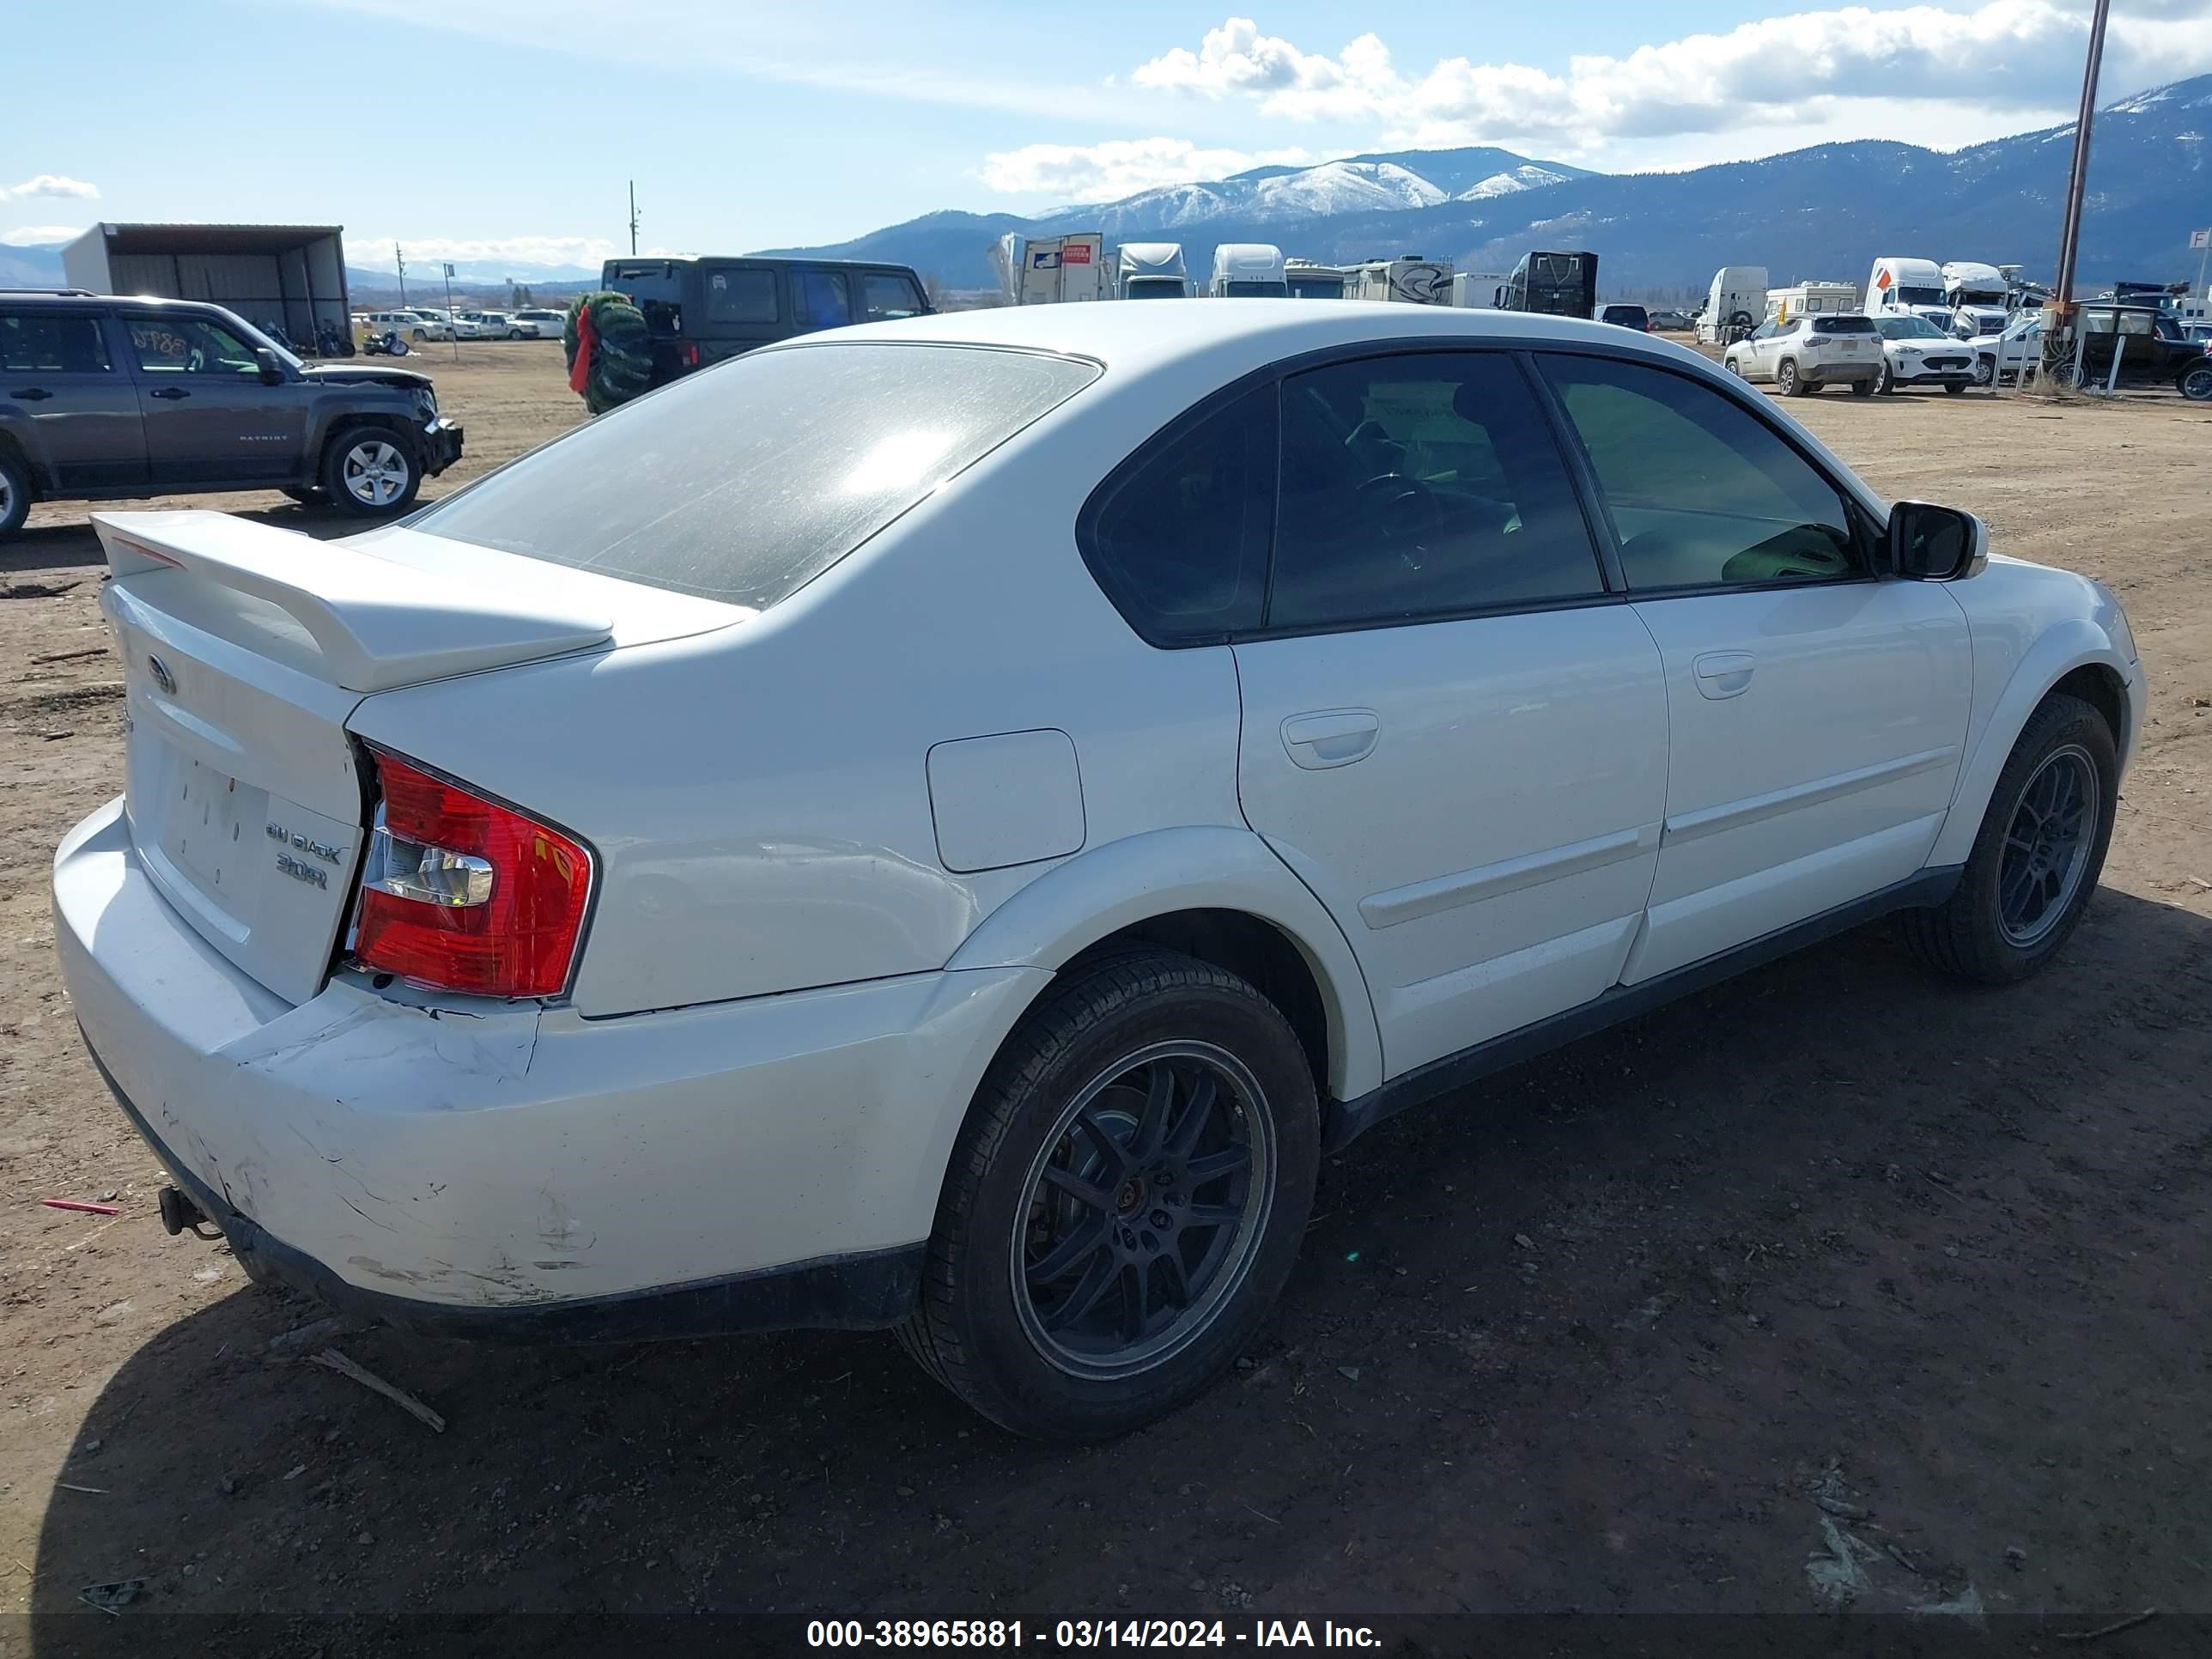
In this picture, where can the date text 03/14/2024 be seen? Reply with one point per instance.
(1080, 1633)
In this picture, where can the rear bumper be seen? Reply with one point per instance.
(1817, 374)
(517, 1171)
(441, 445)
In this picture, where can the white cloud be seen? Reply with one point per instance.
(1777, 72)
(39, 235)
(374, 252)
(59, 186)
(1121, 167)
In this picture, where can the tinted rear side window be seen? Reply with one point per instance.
(740, 297)
(44, 341)
(1179, 541)
(745, 483)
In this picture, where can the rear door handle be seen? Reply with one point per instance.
(171, 392)
(31, 394)
(1724, 673)
(1332, 736)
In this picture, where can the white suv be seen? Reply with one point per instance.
(1808, 352)
(918, 827)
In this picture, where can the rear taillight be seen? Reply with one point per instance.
(688, 354)
(464, 894)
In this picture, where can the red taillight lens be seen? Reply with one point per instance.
(688, 354)
(465, 895)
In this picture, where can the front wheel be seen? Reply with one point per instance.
(2195, 383)
(1953, 388)
(1125, 1202)
(2039, 854)
(514, 334)
(1884, 382)
(370, 470)
(1985, 370)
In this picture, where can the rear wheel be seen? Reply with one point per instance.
(2039, 854)
(1786, 382)
(1125, 1202)
(14, 494)
(370, 470)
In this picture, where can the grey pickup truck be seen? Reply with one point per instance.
(104, 397)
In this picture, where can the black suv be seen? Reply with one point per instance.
(2151, 346)
(102, 398)
(703, 309)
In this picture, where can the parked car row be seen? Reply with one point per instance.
(420, 325)
(1898, 350)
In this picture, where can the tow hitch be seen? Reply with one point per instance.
(179, 1212)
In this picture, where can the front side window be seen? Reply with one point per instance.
(1701, 491)
(744, 483)
(189, 345)
(1766, 331)
(885, 295)
(35, 342)
(1180, 540)
(823, 300)
(1421, 486)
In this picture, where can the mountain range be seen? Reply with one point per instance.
(1824, 213)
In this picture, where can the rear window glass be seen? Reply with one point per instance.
(746, 481)
(1844, 325)
(740, 297)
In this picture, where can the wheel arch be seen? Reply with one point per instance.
(13, 450)
(1215, 892)
(2076, 659)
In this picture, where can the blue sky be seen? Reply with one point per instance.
(508, 128)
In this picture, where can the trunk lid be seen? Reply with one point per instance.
(245, 649)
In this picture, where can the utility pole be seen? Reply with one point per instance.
(400, 259)
(633, 216)
(2058, 331)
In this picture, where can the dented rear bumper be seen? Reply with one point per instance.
(516, 1170)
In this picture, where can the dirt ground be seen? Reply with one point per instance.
(1838, 1289)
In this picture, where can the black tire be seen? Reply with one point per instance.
(1954, 388)
(1863, 388)
(308, 495)
(1968, 936)
(1787, 380)
(14, 494)
(1985, 369)
(371, 471)
(1884, 382)
(1741, 319)
(986, 1331)
(516, 334)
(418, 336)
(2195, 382)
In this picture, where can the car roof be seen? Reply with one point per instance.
(77, 298)
(1124, 336)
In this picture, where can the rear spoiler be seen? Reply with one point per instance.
(377, 623)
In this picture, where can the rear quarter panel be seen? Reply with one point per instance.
(758, 798)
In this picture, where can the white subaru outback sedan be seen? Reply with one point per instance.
(942, 824)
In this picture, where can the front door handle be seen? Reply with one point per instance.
(171, 392)
(1724, 673)
(1332, 736)
(31, 394)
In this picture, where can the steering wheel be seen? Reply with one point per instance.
(1408, 509)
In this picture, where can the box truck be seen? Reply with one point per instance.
(1042, 270)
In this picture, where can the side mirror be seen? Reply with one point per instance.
(1932, 543)
(272, 366)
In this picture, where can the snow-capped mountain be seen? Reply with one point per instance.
(1359, 183)
(1819, 213)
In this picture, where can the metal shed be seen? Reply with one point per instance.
(290, 276)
